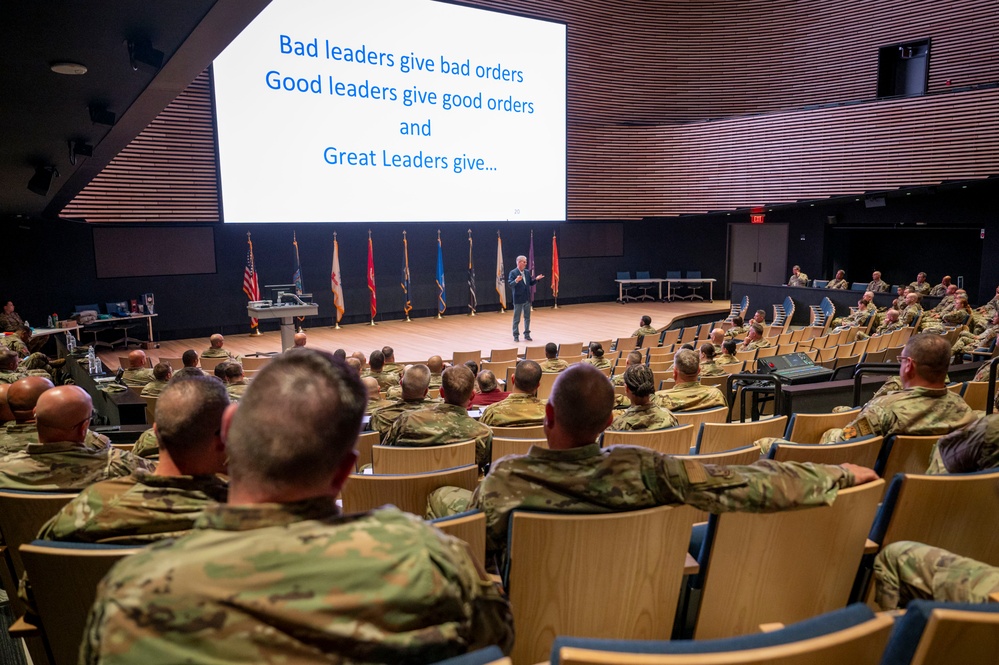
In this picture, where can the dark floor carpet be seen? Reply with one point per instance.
(11, 652)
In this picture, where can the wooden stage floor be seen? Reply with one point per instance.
(419, 339)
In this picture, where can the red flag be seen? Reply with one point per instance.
(371, 278)
(554, 266)
(251, 287)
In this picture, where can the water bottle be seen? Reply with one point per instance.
(91, 358)
(49, 323)
(70, 343)
(99, 367)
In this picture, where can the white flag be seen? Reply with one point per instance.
(500, 274)
(336, 283)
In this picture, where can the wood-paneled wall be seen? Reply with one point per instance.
(677, 107)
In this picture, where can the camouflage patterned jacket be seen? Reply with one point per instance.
(137, 377)
(440, 424)
(153, 388)
(838, 284)
(212, 352)
(690, 396)
(645, 330)
(382, 419)
(385, 379)
(760, 343)
(711, 368)
(599, 363)
(553, 365)
(135, 509)
(11, 377)
(65, 465)
(726, 359)
(517, 410)
(969, 449)
(236, 390)
(646, 417)
(297, 583)
(15, 344)
(15, 437)
(910, 314)
(905, 571)
(922, 289)
(591, 479)
(147, 445)
(917, 411)
(736, 332)
(879, 286)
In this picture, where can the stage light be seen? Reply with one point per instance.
(40, 182)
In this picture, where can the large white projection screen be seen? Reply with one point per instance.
(392, 110)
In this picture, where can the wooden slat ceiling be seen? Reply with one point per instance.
(678, 107)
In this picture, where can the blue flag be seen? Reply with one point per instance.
(441, 296)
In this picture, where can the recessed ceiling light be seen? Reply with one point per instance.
(68, 68)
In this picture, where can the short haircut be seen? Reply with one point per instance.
(340, 355)
(190, 358)
(551, 350)
(760, 311)
(297, 421)
(233, 370)
(687, 362)
(597, 349)
(220, 369)
(582, 398)
(415, 381)
(931, 354)
(188, 372)
(646, 320)
(737, 321)
(472, 366)
(527, 376)
(729, 346)
(354, 364)
(161, 371)
(457, 384)
(388, 351)
(687, 345)
(189, 413)
(486, 380)
(640, 380)
(635, 357)
(922, 274)
(376, 360)
(758, 329)
(708, 349)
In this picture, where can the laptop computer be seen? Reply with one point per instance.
(112, 379)
(118, 308)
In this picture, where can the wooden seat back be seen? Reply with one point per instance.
(863, 452)
(716, 437)
(671, 441)
(809, 427)
(403, 460)
(363, 492)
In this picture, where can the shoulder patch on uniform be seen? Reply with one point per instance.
(696, 472)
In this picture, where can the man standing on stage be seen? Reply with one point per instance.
(521, 281)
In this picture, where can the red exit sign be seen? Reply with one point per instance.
(756, 215)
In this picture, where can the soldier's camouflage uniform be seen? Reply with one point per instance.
(883, 328)
(711, 368)
(297, 583)
(736, 332)
(645, 330)
(922, 289)
(760, 343)
(906, 571)
(690, 396)
(438, 425)
(801, 279)
(11, 377)
(212, 352)
(517, 410)
(382, 419)
(647, 417)
(916, 411)
(15, 437)
(880, 286)
(65, 465)
(591, 479)
(838, 284)
(968, 342)
(599, 363)
(236, 390)
(147, 445)
(726, 359)
(969, 449)
(938, 290)
(153, 388)
(859, 318)
(135, 509)
(378, 403)
(393, 368)
(910, 314)
(553, 365)
(137, 377)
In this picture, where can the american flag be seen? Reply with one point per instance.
(251, 287)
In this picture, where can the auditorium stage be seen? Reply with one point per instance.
(421, 338)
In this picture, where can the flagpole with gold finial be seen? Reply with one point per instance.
(336, 254)
(371, 274)
(472, 300)
(438, 283)
(254, 330)
(405, 250)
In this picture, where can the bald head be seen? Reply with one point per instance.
(371, 387)
(717, 336)
(136, 359)
(63, 414)
(415, 382)
(436, 364)
(5, 413)
(579, 407)
(23, 394)
(301, 339)
(216, 341)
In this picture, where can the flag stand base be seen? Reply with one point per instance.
(555, 306)
(472, 313)
(439, 315)
(255, 332)
(336, 326)
(408, 320)
(372, 323)
(502, 310)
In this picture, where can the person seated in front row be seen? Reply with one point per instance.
(521, 408)
(754, 339)
(798, 278)
(488, 391)
(552, 363)
(277, 574)
(162, 373)
(137, 374)
(688, 394)
(643, 414)
(215, 349)
(576, 475)
(645, 327)
(144, 506)
(738, 329)
(839, 282)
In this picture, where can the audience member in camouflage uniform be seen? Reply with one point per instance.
(9, 372)
(754, 339)
(967, 342)
(521, 408)
(878, 285)
(727, 357)
(391, 366)
(634, 358)
(738, 329)
(10, 320)
(798, 278)
(645, 327)
(436, 366)
(375, 400)
(6, 415)
(415, 383)
(639, 386)
(688, 394)
(28, 362)
(890, 324)
(215, 349)
(575, 475)
(60, 460)
(277, 574)
(839, 282)
(906, 571)
(969, 449)
(941, 288)
(920, 286)
(235, 381)
(597, 356)
(946, 302)
(923, 407)
(162, 373)
(865, 310)
(446, 422)
(717, 338)
(958, 315)
(376, 364)
(145, 506)
(137, 374)
(552, 363)
(22, 395)
(708, 365)
(147, 445)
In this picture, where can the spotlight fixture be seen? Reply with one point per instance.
(100, 115)
(79, 148)
(39, 183)
(141, 52)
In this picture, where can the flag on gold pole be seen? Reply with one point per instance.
(555, 274)
(251, 286)
(500, 274)
(336, 283)
(371, 279)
